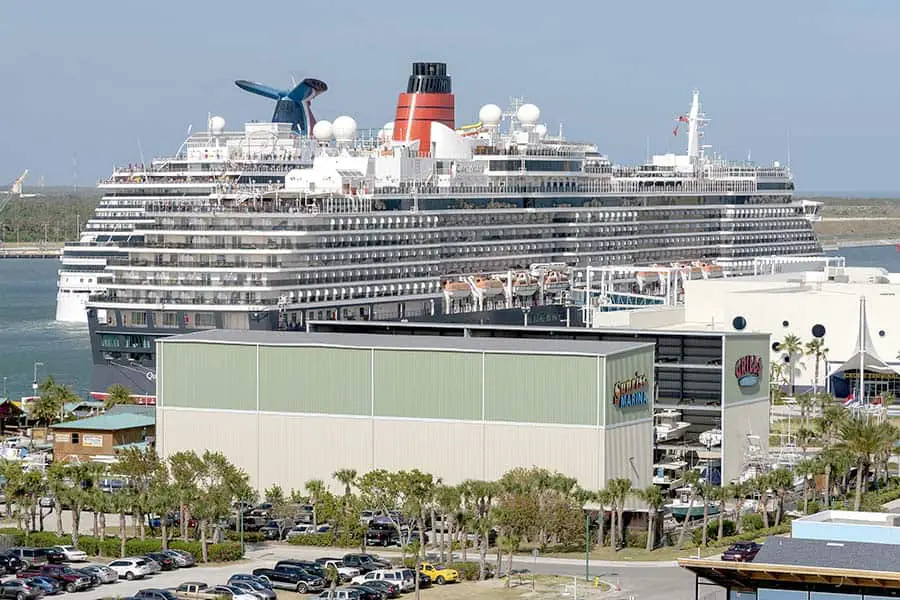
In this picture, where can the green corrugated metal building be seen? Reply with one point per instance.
(292, 406)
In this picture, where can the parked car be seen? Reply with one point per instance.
(345, 573)
(20, 590)
(70, 579)
(341, 594)
(181, 558)
(93, 577)
(365, 562)
(389, 575)
(52, 555)
(71, 553)
(255, 589)
(229, 591)
(47, 502)
(439, 575)
(10, 563)
(105, 574)
(165, 562)
(391, 590)
(155, 594)
(154, 566)
(742, 552)
(35, 556)
(48, 585)
(194, 589)
(297, 530)
(410, 576)
(130, 568)
(292, 578)
(369, 592)
(310, 566)
(264, 581)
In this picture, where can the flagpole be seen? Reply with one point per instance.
(862, 354)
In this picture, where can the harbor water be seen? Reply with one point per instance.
(29, 332)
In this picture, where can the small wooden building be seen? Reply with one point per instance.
(101, 436)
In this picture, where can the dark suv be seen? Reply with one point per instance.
(10, 564)
(365, 562)
(68, 578)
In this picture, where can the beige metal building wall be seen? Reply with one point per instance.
(458, 414)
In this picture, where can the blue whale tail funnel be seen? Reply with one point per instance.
(291, 106)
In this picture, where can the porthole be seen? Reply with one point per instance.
(776, 346)
(739, 323)
(881, 333)
(785, 323)
(818, 330)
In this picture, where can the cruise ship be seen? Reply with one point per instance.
(422, 219)
(260, 155)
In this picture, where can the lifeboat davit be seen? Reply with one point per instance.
(456, 290)
(554, 280)
(524, 285)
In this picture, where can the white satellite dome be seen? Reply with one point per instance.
(216, 124)
(386, 133)
(540, 129)
(323, 130)
(344, 129)
(490, 114)
(528, 114)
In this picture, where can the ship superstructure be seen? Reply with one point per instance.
(259, 156)
(425, 218)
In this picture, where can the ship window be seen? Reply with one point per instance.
(204, 320)
(138, 317)
(75, 438)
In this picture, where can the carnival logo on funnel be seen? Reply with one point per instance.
(747, 370)
(630, 392)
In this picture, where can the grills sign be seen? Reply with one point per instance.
(630, 392)
(747, 370)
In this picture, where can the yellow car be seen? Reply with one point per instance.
(439, 575)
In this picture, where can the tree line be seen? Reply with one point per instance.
(55, 217)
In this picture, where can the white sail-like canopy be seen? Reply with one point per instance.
(864, 358)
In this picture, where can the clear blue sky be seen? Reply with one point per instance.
(90, 79)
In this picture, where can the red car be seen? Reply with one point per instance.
(742, 552)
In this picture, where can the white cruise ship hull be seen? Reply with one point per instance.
(71, 306)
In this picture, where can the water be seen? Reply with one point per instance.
(29, 333)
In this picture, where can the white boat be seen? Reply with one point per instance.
(669, 425)
(681, 507)
(711, 437)
(669, 474)
(456, 290)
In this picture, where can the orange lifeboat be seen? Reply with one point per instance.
(488, 287)
(524, 285)
(456, 290)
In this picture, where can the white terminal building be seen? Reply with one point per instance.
(812, 298)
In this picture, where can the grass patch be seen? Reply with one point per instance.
(641, 554)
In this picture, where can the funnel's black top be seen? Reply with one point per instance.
(429, 78)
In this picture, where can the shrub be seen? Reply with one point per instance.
(225, 552)
(250, 537)
(747, 536)
(814, 507)
(468, 571)
(751, 522)
(311, 539)
(636, 540)
(344, 540)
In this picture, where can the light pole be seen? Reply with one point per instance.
(34, 383)
(4, 388)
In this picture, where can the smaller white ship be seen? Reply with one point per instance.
(669, 425)
(711, 437)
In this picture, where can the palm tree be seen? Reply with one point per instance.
(722, 494)
(808, 469)
(780, 480)
(117, 394)
(805, 402)
(760, 485)
(790, 347)
(621, 489)
(817, 350)
(653, 497)
(691, 479)
(862, 440)
(706, 491)
(604, 497)
(316, 489)
(887, 399)
(829, 423)
(804, 437)
(347, 478)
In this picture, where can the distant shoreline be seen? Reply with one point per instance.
(862, 243)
